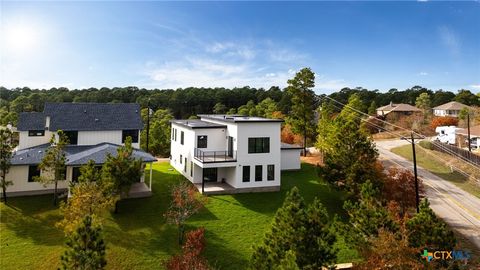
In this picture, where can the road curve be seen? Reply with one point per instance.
(456, 207)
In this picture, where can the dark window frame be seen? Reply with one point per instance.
(72, 136)
(33, 171)
(202, 141)
(182, 137)
(259, 145)
(270, 172)
(258, 173)
(36, 133)
(185, 165)
(191, 168)
(128, 133)
(246, 174)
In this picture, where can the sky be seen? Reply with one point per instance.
(375, 45)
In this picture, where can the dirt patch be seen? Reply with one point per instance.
(312, 159)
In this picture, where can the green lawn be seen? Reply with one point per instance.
(138, 238)
(438, 168)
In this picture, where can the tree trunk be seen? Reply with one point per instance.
(305, 142)
(4, 193)
(180, 234)
(55, 194)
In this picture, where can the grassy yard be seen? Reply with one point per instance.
(438, 168)
(138, 238)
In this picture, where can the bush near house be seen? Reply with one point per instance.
(443, 121)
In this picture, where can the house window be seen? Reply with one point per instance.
(175, 135)
(258, 173)
(258, 145)
(270, 172)
(181, 157)
(171, 137)
(202, 141)
(181, 137)
(191, 168)
(185, 165)
(130, 133)
(36, 133)
(72, 137)
(246, 174)
(33, 171)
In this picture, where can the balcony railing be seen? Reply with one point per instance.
(215, 156)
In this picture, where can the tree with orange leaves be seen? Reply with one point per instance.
(443, 121)
(191, 256)
(186, 201)
(399, 186)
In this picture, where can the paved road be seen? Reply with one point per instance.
(458, 208)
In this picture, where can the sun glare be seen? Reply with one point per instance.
(20, 38)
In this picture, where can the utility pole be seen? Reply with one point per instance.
(412, 141)
(468, 127)
(148, 123)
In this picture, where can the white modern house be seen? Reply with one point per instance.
(93, 129)
(451, 108)
(231, 153)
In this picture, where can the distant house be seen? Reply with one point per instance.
(93, 129)
(231, 153)
(451, 108)
(399, 109)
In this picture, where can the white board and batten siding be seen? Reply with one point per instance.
(19, 177)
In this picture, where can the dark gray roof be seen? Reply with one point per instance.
(31, 121)
(196, 123)
(85, 116)
(76, 154)
(237, 118)
(290, 146)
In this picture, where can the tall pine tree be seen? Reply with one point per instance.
(85, 248)
(305, 231)
(6, 147)
(304, 102)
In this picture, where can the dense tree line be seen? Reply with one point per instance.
(186, 102)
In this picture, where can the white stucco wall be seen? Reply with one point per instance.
(96, 137)
(26, 141)
(19, 176)
(290, 159)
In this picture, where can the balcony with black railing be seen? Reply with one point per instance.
(215, 156)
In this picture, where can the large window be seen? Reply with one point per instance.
(271, 172)
(175, 135)
(258, 145)
(33, 171)
(202, 141)
(130, 133)
(246, 174)
(36, 133)
(182, 137)
(258, 173)
(72, 137)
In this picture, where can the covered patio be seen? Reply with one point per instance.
(215, 188)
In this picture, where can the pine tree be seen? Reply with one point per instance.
(427, 230)
(121, 171)
(303, 104)
(296, 228)
(53, 163)
(6, 147)
(85, 248)
(372, 110)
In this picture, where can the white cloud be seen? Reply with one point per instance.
(475, 86)
(329, 85)
(449, 39)
(423, 73)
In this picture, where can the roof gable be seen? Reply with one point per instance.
(452, 105)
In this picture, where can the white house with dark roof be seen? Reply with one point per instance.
(451, 108)
(93, 129)
(231, 153)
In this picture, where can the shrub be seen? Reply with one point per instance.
(443, 121)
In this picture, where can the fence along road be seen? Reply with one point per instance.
(456, 207)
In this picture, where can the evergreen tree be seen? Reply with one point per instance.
(427, 230)
(6, 147)
(304, 101)
(298, 229)
(350, 157)
(372, 110)
(121, 171)
(53, 163)
(289, 262)
(219, 108)
(85, 248)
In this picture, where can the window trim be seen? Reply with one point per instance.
(271, 169)
(246, 176)
(258, 169)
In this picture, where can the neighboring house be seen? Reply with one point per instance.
(400, 109)
(236, 153)
(474, 136)
(451, 108)
(94, 130)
